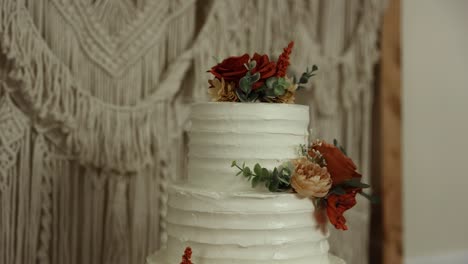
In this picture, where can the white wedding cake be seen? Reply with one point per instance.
(218, 214)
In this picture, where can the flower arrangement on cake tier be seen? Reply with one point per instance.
(256, 79)
(323, 173)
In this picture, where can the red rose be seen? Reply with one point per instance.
(231, 69)
(337, 205)
(265, 67)
(340, 167)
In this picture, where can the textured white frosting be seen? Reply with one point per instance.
(243, 228)
(246, 132)
(218, 214)
(160, 257)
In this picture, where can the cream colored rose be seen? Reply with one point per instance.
(309, 179)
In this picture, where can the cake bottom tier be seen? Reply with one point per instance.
(161, 257)
(243, 228)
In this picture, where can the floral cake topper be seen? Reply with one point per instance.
(256, 78)
(323, 173)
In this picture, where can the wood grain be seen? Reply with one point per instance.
(389, 102)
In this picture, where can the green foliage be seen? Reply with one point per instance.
(356, 183)
(276, 180)
(338, 190)
(275, 87)
(304, 79)
(246, 83)
(372, 198)
(340, 147)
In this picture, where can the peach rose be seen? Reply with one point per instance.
(309, 179)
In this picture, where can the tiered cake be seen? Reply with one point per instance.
(219, 215)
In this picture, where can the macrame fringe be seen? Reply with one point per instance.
(16, 202)
(103, 135)
(13, 123)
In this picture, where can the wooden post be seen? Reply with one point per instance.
(389, 136)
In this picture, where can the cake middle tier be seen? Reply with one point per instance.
(268, 134)
(243, 228)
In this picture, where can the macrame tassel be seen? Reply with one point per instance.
(163, 196)
(46, 207)
(15, 183)
(93, 214)
(117, 223)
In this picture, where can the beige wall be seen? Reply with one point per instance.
(435, 127)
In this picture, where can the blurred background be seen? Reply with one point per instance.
(435, 123)
(95, 96)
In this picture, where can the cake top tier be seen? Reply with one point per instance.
(226, 111)
(245, 132)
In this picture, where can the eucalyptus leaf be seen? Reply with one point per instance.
(338, 190)
(252, 64)
(255, 182)
(265, 174)
(254, 78)
(270, 82)
(283, 82)
(270, 92)
(373, 199)
(275, 172)
(278, 91)
(258, 169)
(335, 142)
(234, 163)
(284, 180)
(252, 97)
(241, 96)
(245, 84)
(274, 183)
(343, 150)
(247, 172)
(356, 182)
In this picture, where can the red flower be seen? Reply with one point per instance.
(340, 167)
(231, 69)
(320, 215)
(338, 204)
(265, 67)
(283, 60)
(186, 258)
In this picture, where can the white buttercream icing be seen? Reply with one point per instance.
(218, 214)
(243, 227)
(269, 134)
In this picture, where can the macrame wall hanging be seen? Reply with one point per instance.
(94, 99)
